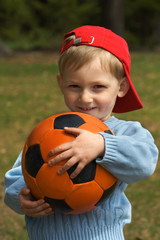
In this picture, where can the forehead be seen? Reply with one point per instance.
(91, 72)
(75, 57)
(98, 63)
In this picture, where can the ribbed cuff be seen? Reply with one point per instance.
(110, 148)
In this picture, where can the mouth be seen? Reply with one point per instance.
(86, 109)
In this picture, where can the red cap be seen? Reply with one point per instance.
(104, 38)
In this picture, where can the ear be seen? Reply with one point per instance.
(124, 87)
(59, 81)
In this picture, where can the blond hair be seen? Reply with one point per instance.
(76, 56)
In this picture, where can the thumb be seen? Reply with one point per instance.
(25, 191)
(73, 131)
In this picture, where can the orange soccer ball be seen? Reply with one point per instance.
(88, 189)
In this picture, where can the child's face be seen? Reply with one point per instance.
(90, 89)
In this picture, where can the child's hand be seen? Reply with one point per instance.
(33, 208)
(85, 148)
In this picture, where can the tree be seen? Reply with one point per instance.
(142, 22)
(4, 51)
(113, 15)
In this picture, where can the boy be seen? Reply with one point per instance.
(94, 78)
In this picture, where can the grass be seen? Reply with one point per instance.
(29, 93)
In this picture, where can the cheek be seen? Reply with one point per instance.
(107, 100)
(103, 100)
(69, 98)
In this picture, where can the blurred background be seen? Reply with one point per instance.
(39, 24)
(30, 41)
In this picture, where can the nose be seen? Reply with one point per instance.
(85, 97)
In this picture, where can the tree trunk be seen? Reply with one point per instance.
(113, 15)
(4, 51)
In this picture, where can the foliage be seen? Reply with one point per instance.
(40, 21)
(142, 22)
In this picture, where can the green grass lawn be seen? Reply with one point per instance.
(29, 93)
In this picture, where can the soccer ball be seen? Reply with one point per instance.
(78, 195)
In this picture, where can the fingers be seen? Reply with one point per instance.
(63, 147)
(59, 149)
(71, 153)
(38, 209)
(33, 208)
(67, 165)
(62, 156)
(77, 171)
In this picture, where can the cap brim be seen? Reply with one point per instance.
(130, 101)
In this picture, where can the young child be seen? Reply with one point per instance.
(94, 78)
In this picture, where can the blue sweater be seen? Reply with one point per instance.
(130, 155)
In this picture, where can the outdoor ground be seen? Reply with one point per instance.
(29, 93)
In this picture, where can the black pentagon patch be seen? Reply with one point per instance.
(106, 194)
(86, 175)
(109, 132)
(68, 120)
(58, 205)
(33, 160)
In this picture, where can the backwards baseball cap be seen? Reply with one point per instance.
(104, 38)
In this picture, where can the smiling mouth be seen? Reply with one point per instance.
(87, 109)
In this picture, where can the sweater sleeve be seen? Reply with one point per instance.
(131, 154)
(14, 182)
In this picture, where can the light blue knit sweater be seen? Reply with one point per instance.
(130, 155)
